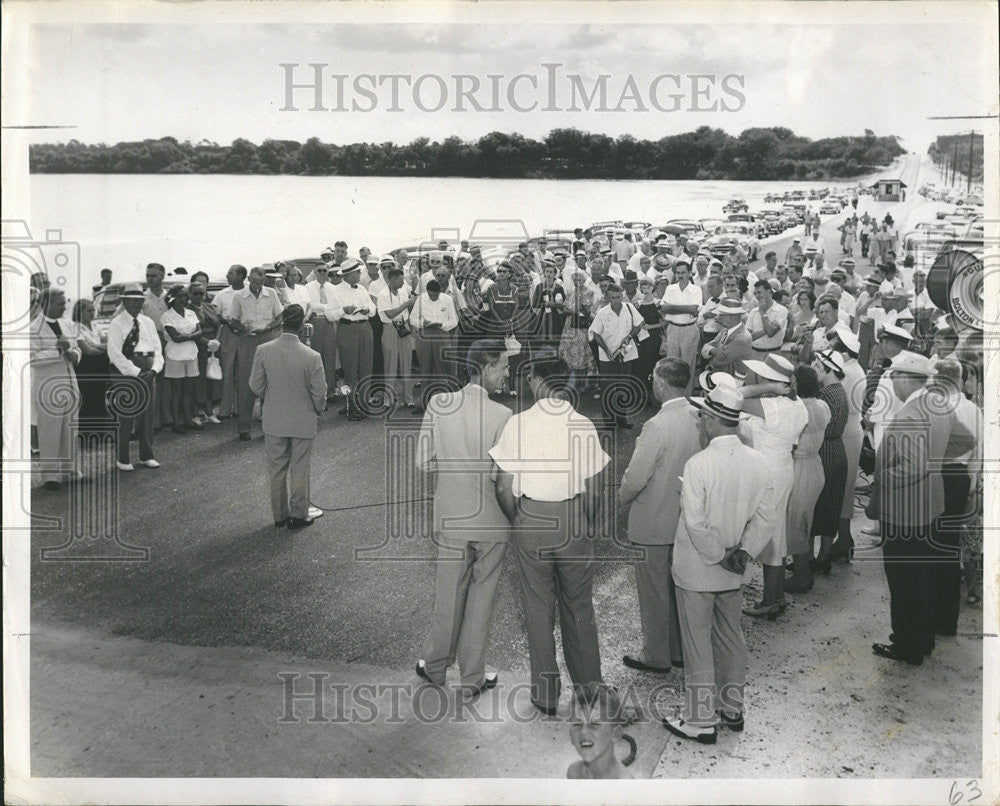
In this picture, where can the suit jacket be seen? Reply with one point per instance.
(458, 431)
(651, 482)
(48, 366)
(289, 377)
(908, 460)
(731, 350)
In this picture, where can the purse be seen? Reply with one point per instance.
(401, 329)
(213, 369)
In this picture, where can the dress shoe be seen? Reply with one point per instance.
(771, 611)
(794, 587)
(417, 409)
(679, 727)
(892, 652)
(125, 467)
(490, 680)
(282, 522)
(213, 419)
(421, 670)
(299, 523)
(677, 664)
(150, 463)
(52, 486)
(734, 723)
(245, 437)
(642, 666)
(315, 512)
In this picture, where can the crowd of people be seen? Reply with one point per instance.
(805, 368)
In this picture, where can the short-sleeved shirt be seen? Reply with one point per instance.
(154, 307)
(674, 295)
(256, 313)
(550, 450)
(776, 315)
(614, 328)
(184, 325)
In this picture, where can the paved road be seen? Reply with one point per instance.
(352, 594)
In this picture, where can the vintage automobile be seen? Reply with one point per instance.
(735, 206)
(637, 227)
(749, 218)
(742, 234)
(773, 221)
(601, 226)
(829, 208)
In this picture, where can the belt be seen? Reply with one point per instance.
(765, 349)
(678, 324)
(352, 321)
(143, 355)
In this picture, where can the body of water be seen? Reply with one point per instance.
(208, 222)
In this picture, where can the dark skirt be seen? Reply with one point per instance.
(826, 515)
(92, 376)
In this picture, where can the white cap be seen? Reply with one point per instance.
(912, 363)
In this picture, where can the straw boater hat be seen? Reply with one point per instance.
(708, 380)
(132, 291)
(348, 266)
(728, 305)
(723, 402)
(832, 360)
(387, 259)
(774, 368)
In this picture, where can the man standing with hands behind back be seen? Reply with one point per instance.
(289, 378)
(652, 486)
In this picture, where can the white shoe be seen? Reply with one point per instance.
(149, 463)
(125, 468)
(213, 419)
(315, 512)
(197, 420)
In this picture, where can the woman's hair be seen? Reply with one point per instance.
(809, 295)
(805, 381)
(743, 284)
(196, 275)
(829, 299)
(78, 308)
(173, 292)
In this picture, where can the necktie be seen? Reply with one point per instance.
(56, 328)
(322, 293)
(131, 340)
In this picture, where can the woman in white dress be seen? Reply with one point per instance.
(847, 344)
(777, 420)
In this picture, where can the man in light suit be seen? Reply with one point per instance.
(652, 486)
(289, 378)
(727, 351)
(470, 529)
(55, 397)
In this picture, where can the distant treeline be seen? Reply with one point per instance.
(765, 154)
(952, 151)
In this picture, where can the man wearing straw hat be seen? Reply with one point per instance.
(733, 345)
(724, 521)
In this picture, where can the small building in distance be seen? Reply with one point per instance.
(889, 190)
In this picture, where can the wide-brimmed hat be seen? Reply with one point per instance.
(708, 380)
(348, 266)
(849, 339)
(832, 360)
(912, 364)
(724, 402)
(728, 305)
(775, 368)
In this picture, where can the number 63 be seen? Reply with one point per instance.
(957, 793)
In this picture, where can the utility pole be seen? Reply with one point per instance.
(954, 163)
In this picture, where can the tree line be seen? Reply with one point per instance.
(756, 154)
(952, 151)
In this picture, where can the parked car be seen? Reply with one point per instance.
(741, 233)
(829, 208)
(735, 206)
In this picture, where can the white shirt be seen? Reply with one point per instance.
(922, 302)
(550, 450)
(149, 342)
(675, 295)
(298, 296)
(776, 315)
(708, 324)
(376, 287)
(184, 325)
(344, 295)
(723, 505)
(223, 301)
(453, 290)
(848, 304)
(427, 310)
(614, 328)
(256, 313)
(321, 301)
(388, 299)
(623, 250)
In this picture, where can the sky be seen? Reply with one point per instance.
(116, 82)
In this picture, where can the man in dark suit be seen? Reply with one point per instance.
(727, 351)
(289, 378)
(470, 530)
(910, 500)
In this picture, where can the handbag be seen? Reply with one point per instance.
(401, 329)
(213, 369)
